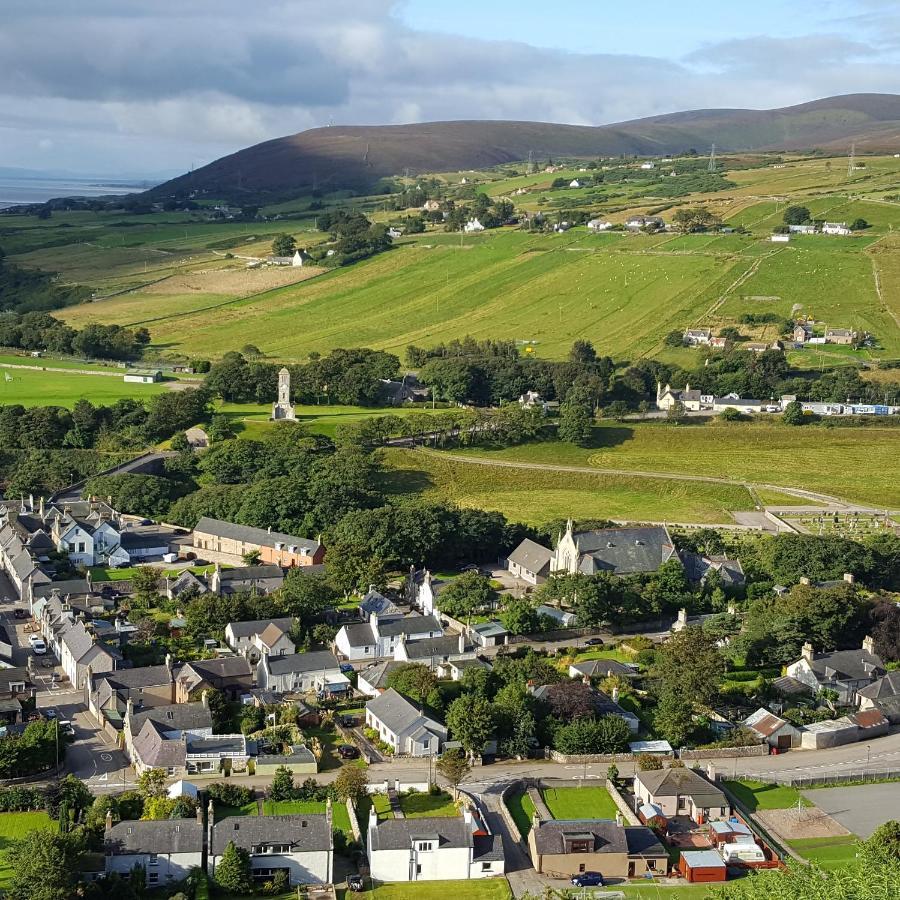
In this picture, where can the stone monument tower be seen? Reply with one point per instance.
(283, 408)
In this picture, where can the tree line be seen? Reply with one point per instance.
(41, 331)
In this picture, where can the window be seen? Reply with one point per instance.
(81, 546)
(486, 867)
(418, 870)
(152, 860)
(152, 877)
(424, 846)
(581, 867)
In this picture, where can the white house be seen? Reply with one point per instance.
(141, 376)
(780, 238)
(405, 728)
(842, 671)
(773, 730)
(839, 228)
(378, 638)
(261, 637)
(300, 258)
(597, 225)
(681, 792)
(301, 845)
(300, 673)
(166, 849)
(667, 397)
(696, 336)
(574, 183)
(433, 849)
(434, 652)
(473, 225)
(620, 551)
(530, 561)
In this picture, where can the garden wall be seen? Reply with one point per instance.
(621, 804)
(581, 759)
(725, 752)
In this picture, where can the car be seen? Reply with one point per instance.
(588, 879)
(594, 642)
(50, 713)
(348, 751)
(355, 883)
(346, 667)
(21, 613)
(348, 721)
(66, 727)
(37, 644)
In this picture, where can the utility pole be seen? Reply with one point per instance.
(712, 160)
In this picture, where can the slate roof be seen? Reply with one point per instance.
(531, 556)
(643, 842)
(376, 602)
(425, 648)
(397, 713)
(215, 669)
(258, 626)
(603, 668)
(788, 685)
(377, 675)
(608, 837)
(360, 634)
(316, 660)
(305, 832)
(73, 586)
(160, 837)
(156, 751)
(260, 536)
(409, 625)
(145, 537)
(398, 834)
(143, 676)
(173, 717)
(13, 674)
(699, 567)
(625, 550)
(854, 665)
(272, 633)
(673, 782)
(884, 688)
(487, 848)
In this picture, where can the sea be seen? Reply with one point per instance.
(14, 191)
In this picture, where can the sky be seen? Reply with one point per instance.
(152, 87)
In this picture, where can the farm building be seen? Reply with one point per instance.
(596, 225)
(701, 866)
(780, 238)
(771, 729)
(839, 228)
(143, 376)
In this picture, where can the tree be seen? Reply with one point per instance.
(251, 558)
(519, 616)
(576, 416)
(583, 352)
(793, 413)
(695, 218)
(351, 783)
(796, 215)
(470, 719)
(648, 762)
(282, 786)
(283, 245)
(859, 225)
(145, 585)
(689, 665)
(608, 734)
(233, 872)
(674, 718)
(885, 840)
(44, 866)
(413, 680)
(453, 766)
(152, 783)
(469, 594)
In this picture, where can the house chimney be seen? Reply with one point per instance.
(328, 813)
(682, 616)
(804, 579)
(109, 821)
(732, 609)
(41, 507)
(467, 815)
(585, 679)
(808, 652)
(129, 709)
(711, 772)
(199, 813)
(204, 699)
(269, 529)
(462, 642)
(868, 644)
(89, 579)
(615, 694)
(849, 577)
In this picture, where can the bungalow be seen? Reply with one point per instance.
(842, 671)
(564, 848)
(720, 404)
(772, 730)
(300, 845)
(602, 668)
(680, 792)
(636, 223)
(530, 562)
(398, 723)
(273, 547)
(166, 850)
(456, 668)
(301, 673)
(261, 637)
(433, 848)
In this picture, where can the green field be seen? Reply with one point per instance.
(33, 387)
(14, 826)
(579, 803)
(536, 497)
(857, 464)
(762, 795)
(828, 852)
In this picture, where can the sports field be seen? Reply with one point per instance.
(857, 464)
(33, 387)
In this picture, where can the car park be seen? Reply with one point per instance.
(37, 644)
(588, 879)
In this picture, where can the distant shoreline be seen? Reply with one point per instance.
(20, 191)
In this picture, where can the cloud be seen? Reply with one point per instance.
(167, 82)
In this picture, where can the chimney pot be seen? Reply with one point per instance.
(109, 820)
(808, 651)
(868, 644)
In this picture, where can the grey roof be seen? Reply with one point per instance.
(625, 550)
(251, 573)
(398, 714)
(674, 782)
(217, 744)
(848, 664)
(703, 859)
(214, 669)
(78, 586)
(643, 842)
(531, 556)
(156, 751)
(360, 634)
(398, 834)
(258, 626)
(608, 837)
(884, 688)
(698, 567)
(13, 674)
(788, 685)
(603, 668)
(487, 848)
(377, 675)
(173, 717)
(308, 832)
(409, 625)
(424, 648)
(160, 837)
(302, 662)
(249, 535)
(375, 602)
(145, 537)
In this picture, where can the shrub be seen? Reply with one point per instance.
(647, 762)
(229, 794)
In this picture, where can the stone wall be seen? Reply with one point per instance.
(576, 759)
(725, 752)
(621, 804)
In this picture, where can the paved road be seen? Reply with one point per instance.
(861, 808)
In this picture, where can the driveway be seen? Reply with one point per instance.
(861, 808)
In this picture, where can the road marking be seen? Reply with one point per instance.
(106, 757)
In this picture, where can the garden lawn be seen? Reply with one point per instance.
(13, 827)
(579, 803)
(418, 806)
(473, 889)
(659, 892)
(223, 811)
(521, 809)
(340, 817)
(828, 852)
(31, 387)
(761, 795)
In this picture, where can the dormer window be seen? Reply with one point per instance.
(424, 846)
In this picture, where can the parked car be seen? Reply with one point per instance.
(588, 879)
(348, 751)
(50, 713)
(594, 642)
(348, 721)
(66, 727)
(37, 644)
(355, 883)
(21, 613)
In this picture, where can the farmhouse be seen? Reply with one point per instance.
(273, 547)
(636, 223)
(473, 226)
(620, 551)
(694, 337)
(839, 336)
(839, 228)
(842, 671)
(300, 845)
(597, 225)
(405, 728)
(667, 397)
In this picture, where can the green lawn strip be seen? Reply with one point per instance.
(828, 852)
(521, 809)
(579, 803)
(418, 806)
(761, 795)
(653, 891)
(100, 574)
(472, 889)
(617, 655)
(13, 827)
(223, 810)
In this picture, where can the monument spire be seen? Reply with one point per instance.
(283, 409)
